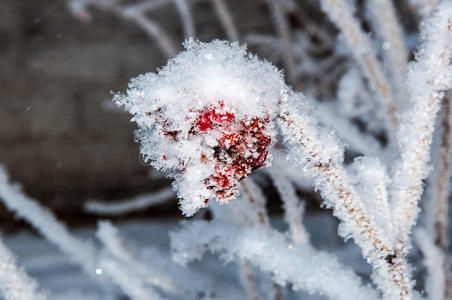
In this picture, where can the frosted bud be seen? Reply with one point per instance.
(206, 119)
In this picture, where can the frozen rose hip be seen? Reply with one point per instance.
(242, 147)
(206, 119)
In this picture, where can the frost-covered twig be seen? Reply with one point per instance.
(282, 27)
(257, 200)
(395, 55)
(356, 102)
(153, 30)
(427, 80)
(134, 13)
(126, 206)
(139, 274)
(305, 268)
(248, 210)
(310, 61)
(121, 275)
(249, 281)
(144, 6)
(184, 10)
(434, 261)
(80, 251)
(226, 19)
(354, 139)
(370, 179)
(15, 284)
(341, 13)
(293, 208)
(320, 154)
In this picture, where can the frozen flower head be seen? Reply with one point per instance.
(206, 118)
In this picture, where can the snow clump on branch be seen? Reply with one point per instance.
(206, 118)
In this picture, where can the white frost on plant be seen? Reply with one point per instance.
(121, 274)
(293, 207)
(15, 284)
(355, 140)
(434, 261)
(301, 265)
(370, 179)
(205, 118)
(355, 101)
(137, 203)
(427, 79)
(80, 251)
(146, 274)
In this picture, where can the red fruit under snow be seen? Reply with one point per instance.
(228, 140)
(242, 147)
(214, 116)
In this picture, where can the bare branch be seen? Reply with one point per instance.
(184, 10)
(226, 19)
(129, 205)
(360, 45)
(282, 27)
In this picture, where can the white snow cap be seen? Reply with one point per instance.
(206, 118)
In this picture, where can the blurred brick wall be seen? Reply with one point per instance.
(56, 137)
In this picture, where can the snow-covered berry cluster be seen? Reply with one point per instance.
(206, 119)
(242, 147)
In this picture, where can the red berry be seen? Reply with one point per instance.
(214, 116)
(242, 147)
(228, 140)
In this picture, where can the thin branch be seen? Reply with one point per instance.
(146, 5)
(226, 19)
(249, 281)
(300, 265)
(139, 274)
(346, 130)
(282, 27)
(130, 205)
(154, 31)
(308, 144)
(360, 45)
(184, 10)
(137, 15)
(395, 54)
(434, 261)
(293, 208)
(82, 252)
(132, 286)
(427, 80)
(257, 200)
